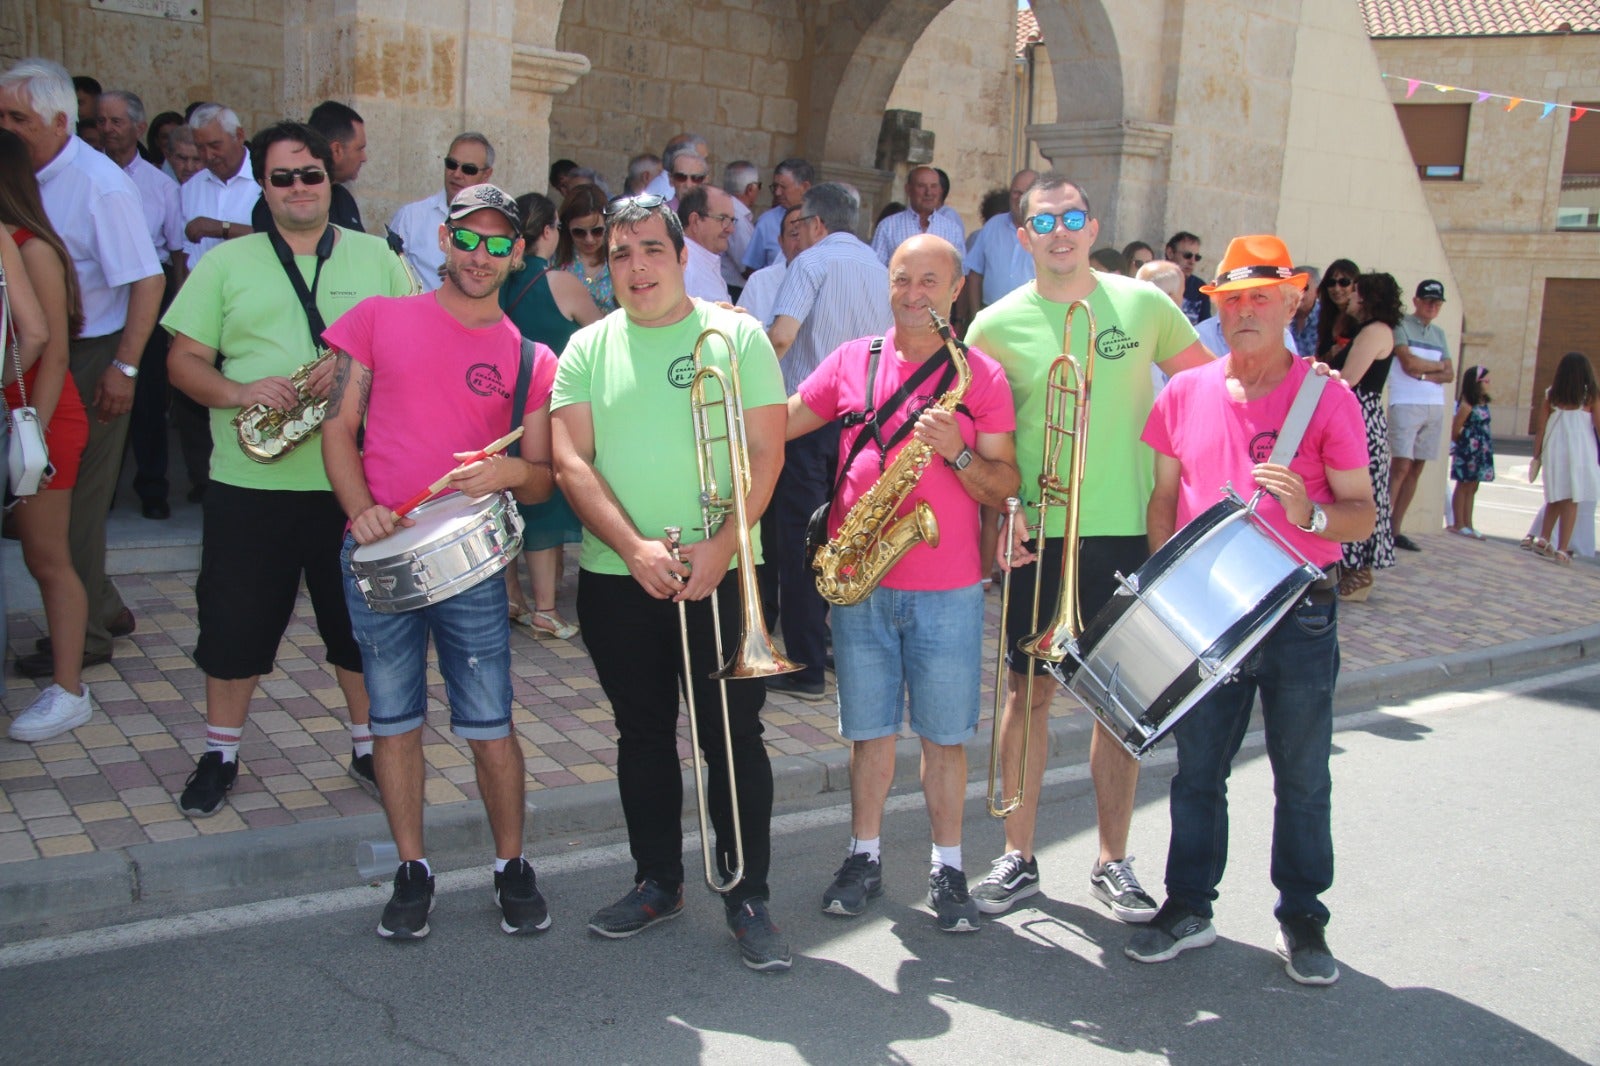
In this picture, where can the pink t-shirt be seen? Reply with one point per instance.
(437, 387)
(1219, 440)
(838, 387)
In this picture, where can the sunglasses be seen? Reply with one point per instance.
(468, 240)
(587, 232)
(471, 170)
(647, 201)
(1341, 283)
(1073, 220)
(693, 179)
(1192, 257)
(309, 176)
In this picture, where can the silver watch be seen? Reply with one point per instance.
(124, 369)
(962, 461)
(1318, 521)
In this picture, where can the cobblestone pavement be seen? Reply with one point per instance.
(112, 783)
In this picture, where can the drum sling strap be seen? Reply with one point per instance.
(1289, 437)
(519, 395)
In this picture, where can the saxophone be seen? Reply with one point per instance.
(267, 434)
(871, 540)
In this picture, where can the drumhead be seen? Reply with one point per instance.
(435, 519)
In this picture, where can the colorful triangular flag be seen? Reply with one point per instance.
(1577, 113)
(1515, 100)
(1411, 87)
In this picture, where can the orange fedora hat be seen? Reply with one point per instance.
(1250, 262)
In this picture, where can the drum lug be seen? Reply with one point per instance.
(1211, 668)
(1131, 582)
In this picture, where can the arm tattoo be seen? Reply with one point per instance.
(364, 384)
(341, 379)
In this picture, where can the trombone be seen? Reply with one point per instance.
(1066, 415)
(754, 655)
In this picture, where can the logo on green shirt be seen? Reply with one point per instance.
(680, 375)
(1113, 343)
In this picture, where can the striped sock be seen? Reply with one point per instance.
(221, 738)
(360, 739)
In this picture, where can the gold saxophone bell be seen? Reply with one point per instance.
(1066, 416)
(754, 656)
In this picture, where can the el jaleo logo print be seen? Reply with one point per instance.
(484, 379)
(1261, 446)
(681, 373)
(1113, 343)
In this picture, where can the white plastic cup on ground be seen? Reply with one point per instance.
(377, 860)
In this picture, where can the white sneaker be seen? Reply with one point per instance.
(54, 712)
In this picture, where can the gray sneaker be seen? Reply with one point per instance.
(1174, 929)
(1115, 885)
(955, 908)
(858, 880)
(1305, 952)
(1012, 878)
(761, 945)
(646, 905)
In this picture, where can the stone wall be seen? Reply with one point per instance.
(1498, 223)
(968, 45)
(728, 69)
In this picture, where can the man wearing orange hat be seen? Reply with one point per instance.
(1137, 327)
(1214, 427)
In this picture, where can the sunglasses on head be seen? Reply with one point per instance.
(693, 179)
(647, 201)
(309, 176)
(471, 170)
(1341, 283)
(589, 232)
(468, 240)
(1073, 220)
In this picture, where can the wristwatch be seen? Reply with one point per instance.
(962, 461)
(1318, 521)
(124, 369)
(226, 226)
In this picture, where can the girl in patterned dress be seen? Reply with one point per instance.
(1471, 450)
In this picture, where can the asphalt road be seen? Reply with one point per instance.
(1464, 825)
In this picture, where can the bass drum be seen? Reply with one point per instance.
(1182, 623)
(457, 542)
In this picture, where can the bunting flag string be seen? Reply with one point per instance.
(1546, 107)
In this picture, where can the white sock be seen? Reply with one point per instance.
(871, 847)
(501, 864)
(426, 869)
(943, 856)
(360, 739)
(221, 738)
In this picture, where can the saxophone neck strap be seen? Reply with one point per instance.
(308, 297)
(874, 417)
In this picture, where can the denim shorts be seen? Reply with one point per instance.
(472, 634)
(927, 645)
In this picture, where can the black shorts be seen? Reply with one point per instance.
(1100, 559)
(255, 546)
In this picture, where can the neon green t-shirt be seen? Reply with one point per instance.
(636, 381)
(1137, 325)
(240, 302)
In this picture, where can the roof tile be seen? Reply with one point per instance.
(1479, 18)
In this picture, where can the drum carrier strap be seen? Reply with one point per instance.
(519, 394)
(1300, 412)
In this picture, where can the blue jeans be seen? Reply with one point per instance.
(1294, 669)
(472, 634)
(896, 643)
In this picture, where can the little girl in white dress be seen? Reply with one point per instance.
(1565, 444)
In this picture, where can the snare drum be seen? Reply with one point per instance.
(1182, 623)
(457, 542)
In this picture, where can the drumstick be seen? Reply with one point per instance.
(416, 501)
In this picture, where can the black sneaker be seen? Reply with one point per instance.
(646, 905)
(1305, 952)
(761, 946)
(950, 901)
(1114, 884)
(1009, 880)
(361, 770)
(858, 880)
(810, 691)
(405, 916)
(1174, 929)
(206, 788)
(1405, 543)
(522, 908)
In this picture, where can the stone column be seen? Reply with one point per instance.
(875, 187)
(419, 75)
(1122, 166)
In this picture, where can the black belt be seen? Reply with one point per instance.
(1325, 589)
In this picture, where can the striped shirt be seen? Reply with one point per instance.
(899, 228)
(838, 291)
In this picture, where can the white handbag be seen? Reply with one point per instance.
(27, 457)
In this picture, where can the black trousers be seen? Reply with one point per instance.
(634, 641)
(809, 465)
(147, 426)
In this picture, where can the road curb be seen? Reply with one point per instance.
(55, 895)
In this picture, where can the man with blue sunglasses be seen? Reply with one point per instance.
(1137, 327)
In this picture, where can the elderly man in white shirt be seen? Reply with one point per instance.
(707, 216)
(925, 195)
(95, 209)
(661, 185)
(217, 201)
(741, 181)
(470, 161)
